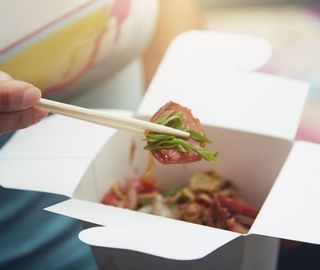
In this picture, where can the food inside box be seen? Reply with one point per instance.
(207, 199)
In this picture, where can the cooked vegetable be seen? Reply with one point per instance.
(169, 149)
(208, 199)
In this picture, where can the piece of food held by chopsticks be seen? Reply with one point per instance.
(169, 149)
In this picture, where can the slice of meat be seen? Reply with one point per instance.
(237, 207)
(171, 155)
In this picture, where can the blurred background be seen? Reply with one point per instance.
(293, 28)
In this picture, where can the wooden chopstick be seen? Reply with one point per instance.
(113, 121)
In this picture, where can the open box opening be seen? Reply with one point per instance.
(250, 161)
(251, 118)
(253, 168)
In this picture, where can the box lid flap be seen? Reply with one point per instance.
(222, 49)
(51, 156)
(54, 175)
(146, 233)
(291, 210)
(225, 97)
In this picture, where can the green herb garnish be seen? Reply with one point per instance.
(198, 137)
(145, 202)
(174, 119)
(207, 155)
(171, 191)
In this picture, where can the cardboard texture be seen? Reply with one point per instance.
(252, 119)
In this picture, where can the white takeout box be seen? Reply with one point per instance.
(252, 119)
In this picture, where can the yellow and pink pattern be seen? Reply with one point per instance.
(57, 54)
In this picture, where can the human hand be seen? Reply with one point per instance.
(18, 101)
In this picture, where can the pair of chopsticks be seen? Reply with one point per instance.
(113, 121)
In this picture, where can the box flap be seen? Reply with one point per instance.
(221, 49)
(51, 156)
(225, 97)
(53, 175)
(146, 233)
(291, 210)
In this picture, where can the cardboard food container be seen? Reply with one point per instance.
(252, 119)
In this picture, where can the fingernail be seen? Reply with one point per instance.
(31, 96)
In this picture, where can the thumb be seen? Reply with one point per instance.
(17, 95)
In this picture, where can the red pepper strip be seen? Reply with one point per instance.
(144, 185)
(237, 207)
(222, 211)
(110, 198)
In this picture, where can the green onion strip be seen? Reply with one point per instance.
(173, 119)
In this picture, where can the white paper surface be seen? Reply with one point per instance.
(57, 136)
(221, 49)
(143, 232)
(224, 97)
(53, 155)
(291, 210)
(53, 175)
